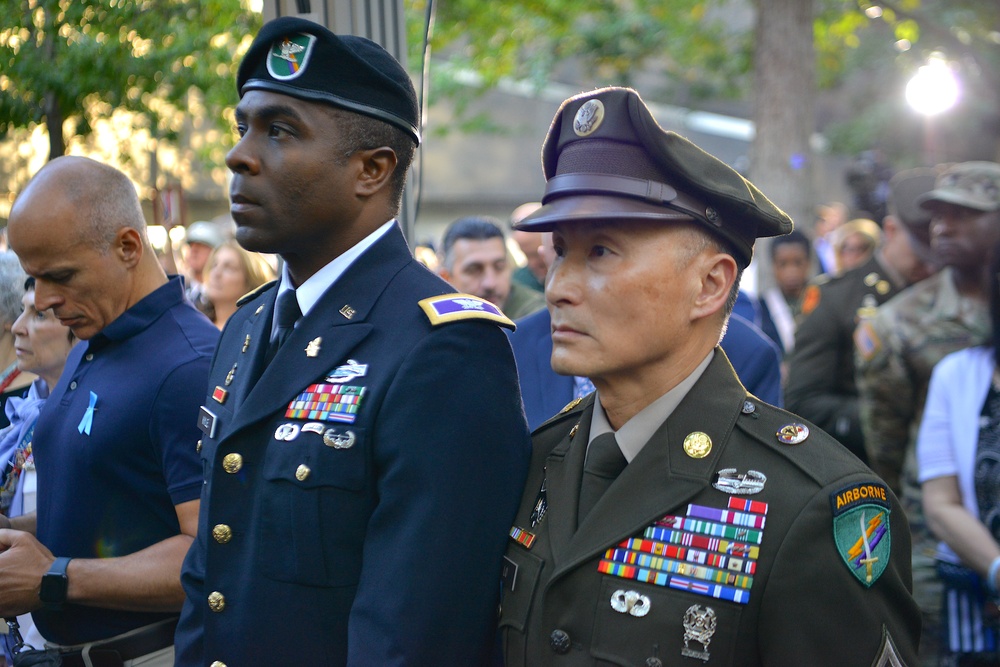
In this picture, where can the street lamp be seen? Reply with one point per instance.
(933, 90)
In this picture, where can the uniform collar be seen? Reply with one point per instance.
(636, 432)
(309, 292)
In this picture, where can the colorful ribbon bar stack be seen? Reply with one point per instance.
(710, 551)
(327, 402)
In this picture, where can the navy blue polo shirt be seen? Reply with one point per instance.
(111, 491)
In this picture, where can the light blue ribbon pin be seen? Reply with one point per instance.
(88, 416)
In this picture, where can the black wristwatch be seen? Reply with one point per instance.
(54, 584)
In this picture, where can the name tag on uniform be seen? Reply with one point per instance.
(508, 575)
(206, 421)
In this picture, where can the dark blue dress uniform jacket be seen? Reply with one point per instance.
(386, 552)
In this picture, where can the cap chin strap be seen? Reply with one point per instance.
(649, 191)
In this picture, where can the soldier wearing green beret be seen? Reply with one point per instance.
(671, 518)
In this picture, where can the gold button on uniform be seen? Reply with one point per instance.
(222, 533)
(302, 472)
(232, 463)
(197, 447)
(218, 663)
(216, 601)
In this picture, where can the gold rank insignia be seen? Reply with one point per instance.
(572, 404)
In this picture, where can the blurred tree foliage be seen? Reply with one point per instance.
(704, 50)
(68, 63)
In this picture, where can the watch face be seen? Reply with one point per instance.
(54, 584)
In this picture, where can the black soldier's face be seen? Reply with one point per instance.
(292, 190)
(963, 237)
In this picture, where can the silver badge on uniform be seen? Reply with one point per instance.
(630, 602)
(740, 483)
(588, 118)
(347, 372)
(699, 626)
(286, 432)
(337, 440)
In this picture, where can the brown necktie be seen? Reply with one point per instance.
(605, 462)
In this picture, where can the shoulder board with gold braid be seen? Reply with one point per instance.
(250, 296)
(456, 307)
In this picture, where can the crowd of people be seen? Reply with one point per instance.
(359, 457)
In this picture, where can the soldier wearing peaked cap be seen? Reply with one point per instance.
(821, 385)
(671, 518)
(363, 441)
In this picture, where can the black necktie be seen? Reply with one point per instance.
(605, 462)
(286, 314)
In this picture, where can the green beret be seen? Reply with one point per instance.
(606, 158)
(300, 58)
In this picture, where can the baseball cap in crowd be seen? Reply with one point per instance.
(206, 233)
(297, 57)
(906, 190)
(974, 185)
(606, 158)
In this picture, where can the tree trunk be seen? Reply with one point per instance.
(784, 115)
(53, 112)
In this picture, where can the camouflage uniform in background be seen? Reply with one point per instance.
(897, 349)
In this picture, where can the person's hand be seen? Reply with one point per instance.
(23, 562)
(4, 522)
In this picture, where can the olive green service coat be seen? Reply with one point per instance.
(805, 606)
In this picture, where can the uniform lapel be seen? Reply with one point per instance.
(662, 478)
(332, 329)
(564, 470)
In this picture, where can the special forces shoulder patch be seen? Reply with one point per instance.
(861, 529)
(455, 307)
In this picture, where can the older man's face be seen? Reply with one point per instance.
(620, 297)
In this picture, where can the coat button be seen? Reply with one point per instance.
(218, 663)
(302, 473)
(232, 463)
(222, 533)
(216, 601)
(197, 447)
(559, 641)
(654, 662)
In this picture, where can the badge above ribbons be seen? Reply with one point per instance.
(861, 529)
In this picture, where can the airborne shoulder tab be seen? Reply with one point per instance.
(250, 296)
(455, 307)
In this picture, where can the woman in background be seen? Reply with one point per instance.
(958, 456)
(14, 380)
(41, 344)
(232, 272)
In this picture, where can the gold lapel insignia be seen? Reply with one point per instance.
(697, 445)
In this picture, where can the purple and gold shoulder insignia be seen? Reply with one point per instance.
(793, 434)
(861, 529)
(456, 307)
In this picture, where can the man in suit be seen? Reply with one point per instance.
(360, 476)
(672, 518)
(755, 358)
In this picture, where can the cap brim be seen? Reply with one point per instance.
(597, 208)
(950, 197)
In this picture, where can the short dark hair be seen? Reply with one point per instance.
(361, 133)
(792, 238)
(470, 228)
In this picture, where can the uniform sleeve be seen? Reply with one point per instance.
(886, 397)
(813, 370)
(935, 448)
(451, 456)
(816, 612)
